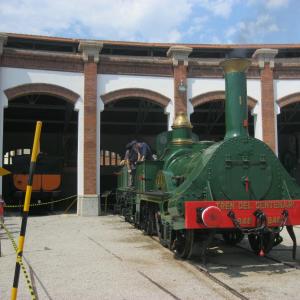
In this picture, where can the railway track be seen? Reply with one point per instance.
(233, 288)
(235, 291)
(271, 258)
(221, 283)
(204, 271)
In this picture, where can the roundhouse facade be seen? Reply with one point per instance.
(93, 96)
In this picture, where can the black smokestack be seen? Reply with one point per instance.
(238, 53)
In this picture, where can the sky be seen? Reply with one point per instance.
(169, 21)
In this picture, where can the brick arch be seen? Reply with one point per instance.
(217, 96)
(41, 88)
(289, 99)
(135, 93)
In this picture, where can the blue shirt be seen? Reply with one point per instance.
(145, 151)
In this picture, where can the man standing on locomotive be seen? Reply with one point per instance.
(135, 151)
(131, 158)
(144, 151)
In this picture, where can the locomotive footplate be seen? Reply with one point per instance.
(241, 213)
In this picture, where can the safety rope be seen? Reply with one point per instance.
(20, 261)
(9, 236)
(41, 204)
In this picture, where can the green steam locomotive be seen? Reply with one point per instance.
(197, 189)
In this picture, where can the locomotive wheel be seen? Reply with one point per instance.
(233, 237)
(159, 229)
(149, 226)
(184, 243)
(137, 220)
(149, 223)
(171, 242)
(267, 242)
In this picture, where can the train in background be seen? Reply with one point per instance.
(46, 184)
(236, 187)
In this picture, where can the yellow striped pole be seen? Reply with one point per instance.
(34, 155)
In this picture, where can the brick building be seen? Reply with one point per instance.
(95, 96)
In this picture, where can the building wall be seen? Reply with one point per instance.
(21, 67)
(12, 77)
(162, 85)
(285, 87)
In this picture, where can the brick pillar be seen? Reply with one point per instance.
(90, 117)
(179, 55)
(265, 58)
(88, 204)
(3, 39)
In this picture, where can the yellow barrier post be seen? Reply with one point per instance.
(4, 172)
(34, 155)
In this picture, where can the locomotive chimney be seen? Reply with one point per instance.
(236, 109)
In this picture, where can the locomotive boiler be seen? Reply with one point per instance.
(197, 189)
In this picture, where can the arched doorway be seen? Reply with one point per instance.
(288, 131)
(54, 106)
(208, 118)
(128, 114)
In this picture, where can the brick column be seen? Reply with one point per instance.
(265, 58)
(3, 39)
(88, 204)
(179, 55)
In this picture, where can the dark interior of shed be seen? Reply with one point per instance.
(121, 122)
(208, 121)
(58, 137)
(288, 128)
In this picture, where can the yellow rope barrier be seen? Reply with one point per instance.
(41, 204)
(23, 268)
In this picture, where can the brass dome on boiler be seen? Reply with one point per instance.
(181, 121)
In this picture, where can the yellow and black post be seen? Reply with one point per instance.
(34, 155)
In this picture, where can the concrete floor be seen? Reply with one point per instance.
(99, 258)
(106, 258)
